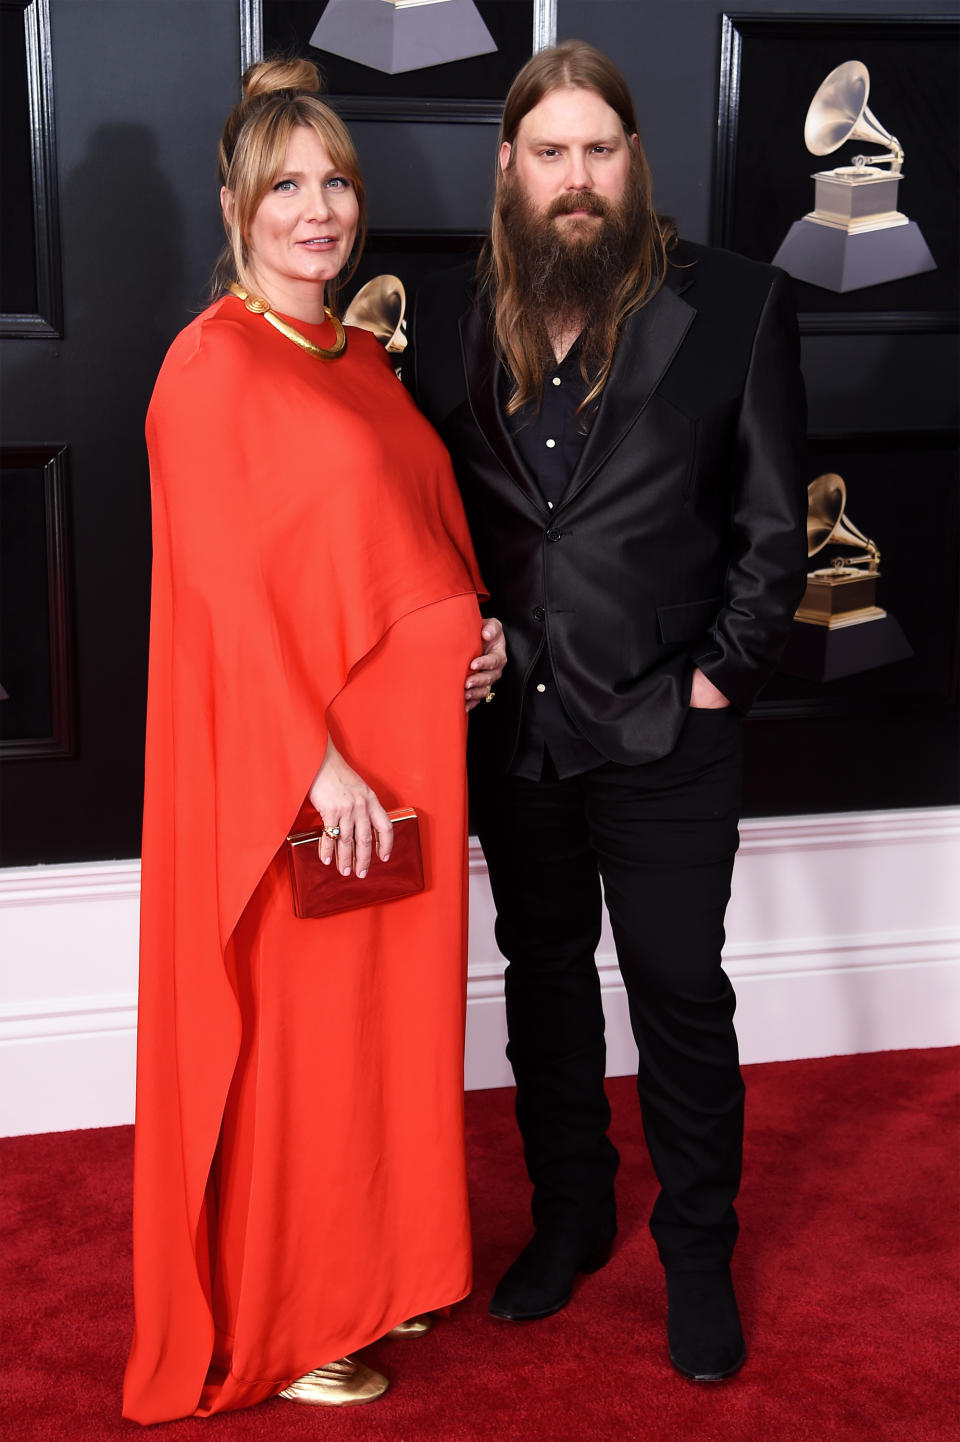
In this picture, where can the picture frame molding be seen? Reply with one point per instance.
(51, 459)
(735, 25)
(47, 320)
(439, 111)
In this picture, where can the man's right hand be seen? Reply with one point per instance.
(704, 696)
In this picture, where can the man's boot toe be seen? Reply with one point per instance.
(703, 1325)
(540, 1281)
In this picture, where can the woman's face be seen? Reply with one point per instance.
(304, 227)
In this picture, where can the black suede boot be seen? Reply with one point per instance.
(703, 1325)
(540, 1281)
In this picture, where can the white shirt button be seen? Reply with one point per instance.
(540, 686)
(549, 505)
(556, 380)
(550, 445)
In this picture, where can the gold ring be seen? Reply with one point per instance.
(490, 694)
(332, 831)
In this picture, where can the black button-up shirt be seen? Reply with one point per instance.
(549, 442)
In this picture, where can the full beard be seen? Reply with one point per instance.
(572, 271)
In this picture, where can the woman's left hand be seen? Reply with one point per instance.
(487, 668)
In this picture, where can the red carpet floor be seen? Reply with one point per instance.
(847, 1274)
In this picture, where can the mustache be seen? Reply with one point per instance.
(579, 200)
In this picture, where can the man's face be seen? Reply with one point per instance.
(571, 161)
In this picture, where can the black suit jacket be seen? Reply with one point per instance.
(680, 540)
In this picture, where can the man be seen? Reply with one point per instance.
(625, 414)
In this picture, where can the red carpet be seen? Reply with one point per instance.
(847, 1275)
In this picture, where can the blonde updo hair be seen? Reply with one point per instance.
(278, 95)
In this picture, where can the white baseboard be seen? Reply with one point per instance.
(843, 936)
(68, 995)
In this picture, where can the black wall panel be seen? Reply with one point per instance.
(669, 51)
(141, 88)
(140, 91)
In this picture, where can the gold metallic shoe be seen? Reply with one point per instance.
(415, 1327)
(344, 1383)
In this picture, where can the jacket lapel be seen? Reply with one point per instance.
(649, 342)
(481, 369)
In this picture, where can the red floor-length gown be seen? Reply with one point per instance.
(299, 1180)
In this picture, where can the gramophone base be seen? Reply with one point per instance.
(836, 260)
(842, 618)
(825, 653)
(840, 597)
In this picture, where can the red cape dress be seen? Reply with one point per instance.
(299, 1179)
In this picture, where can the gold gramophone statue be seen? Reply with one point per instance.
(380, 307)
(855, 236)
(838, 628)
(844, 593)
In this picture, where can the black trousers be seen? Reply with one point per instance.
(661, 838)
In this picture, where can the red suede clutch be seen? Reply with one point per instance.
(320, 890)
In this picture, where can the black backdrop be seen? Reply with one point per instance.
(141, 90)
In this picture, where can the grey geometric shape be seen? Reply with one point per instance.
(393, 39)
(818, 654)
(828, 257)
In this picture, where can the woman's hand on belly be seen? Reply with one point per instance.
(487, 668)
(345, 800)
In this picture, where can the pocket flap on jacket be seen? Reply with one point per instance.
(687, 621)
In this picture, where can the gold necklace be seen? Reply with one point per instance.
(258, 306)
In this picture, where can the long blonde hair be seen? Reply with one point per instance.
(518, 330)
(278, 95)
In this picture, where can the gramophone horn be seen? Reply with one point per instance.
(827, 525)
(839, 112)
(379, 307)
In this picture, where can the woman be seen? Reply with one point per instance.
(299, 1179)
